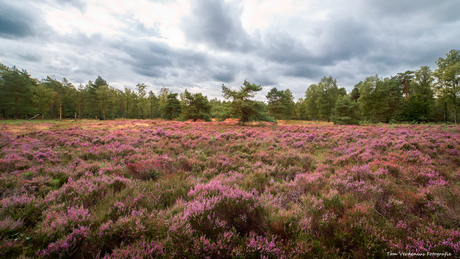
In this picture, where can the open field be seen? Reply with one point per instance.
(152, 188)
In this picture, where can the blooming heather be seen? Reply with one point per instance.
(166, 189)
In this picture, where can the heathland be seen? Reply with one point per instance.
(168, 189)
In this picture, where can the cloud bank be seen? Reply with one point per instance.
(202, 44)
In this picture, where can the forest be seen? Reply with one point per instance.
(417, 96)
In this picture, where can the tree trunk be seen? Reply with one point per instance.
(455, 104)
(445, 112)
(455, 115)
(406, 90)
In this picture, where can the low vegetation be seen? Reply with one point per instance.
(167, 189)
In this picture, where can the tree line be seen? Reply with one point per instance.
(416, 96)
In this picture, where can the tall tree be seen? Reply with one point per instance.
(373, 99)
(80, 100)
(301, 109)
(172, 108)
(288, 101)
(15, 92)
(69, 99)
(242, 106)
(354, 94)
(59, 89)
(405, 79)
(419, 105)
(275, 106)
(163, 97)
(142, 99)
(103, 99)
(196, 107)
(448, 78)
(328, 92)
(43, 98)
(394, 97)
(311, 98)
(153, 105)
(128, 97)
(92, 102)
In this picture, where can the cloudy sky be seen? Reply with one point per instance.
(202, 44)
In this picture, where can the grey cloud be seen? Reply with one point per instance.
(15, 22)
(265, 80)
(150, 61)
(335, 40)
(305, 70)
(283, 48)
(440, 11)
(157, 59)
(217, 24)
(224, 76)
(346, 38)
(32, 57)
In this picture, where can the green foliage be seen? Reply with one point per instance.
(217, 107)
(242, 107)
(320, 99)
(276, 104)
(418, 106)
(42, 98)
(154, 105)
(345, 112)
(172, 109)
(448, 80)
(143, 101)
(311, 97)
(300, 109)
(379, 99)
(405, 81)
(15, 93)
(329, 92)
(281, 104)
(196, 107)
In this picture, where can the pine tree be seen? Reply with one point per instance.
(242, 106)
(196, 107)
(172, 109)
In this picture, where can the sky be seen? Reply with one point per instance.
(199, 45)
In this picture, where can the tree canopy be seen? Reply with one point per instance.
(241, 105)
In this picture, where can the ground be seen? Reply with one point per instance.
(120, 189)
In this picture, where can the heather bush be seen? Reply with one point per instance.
(26, 208)
(86, 191)
(217, 207)
(149, 189)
